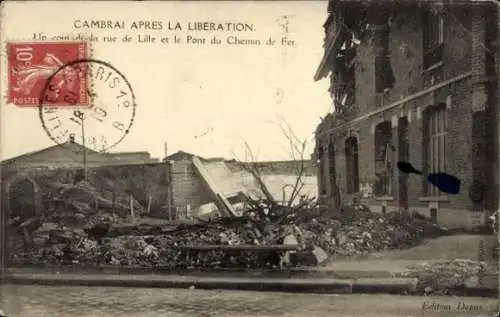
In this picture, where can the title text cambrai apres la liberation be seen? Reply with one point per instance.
(176, 26)
(165, 25)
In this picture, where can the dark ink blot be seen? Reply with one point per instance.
(407, 168)
(444, 182)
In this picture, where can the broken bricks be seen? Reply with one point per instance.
(316, 238)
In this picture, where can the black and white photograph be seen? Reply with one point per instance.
(250, 158)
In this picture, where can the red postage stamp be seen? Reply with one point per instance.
(31, 65)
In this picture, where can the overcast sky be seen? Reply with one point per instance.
(204, 99)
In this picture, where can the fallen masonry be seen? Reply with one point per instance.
(266, 236)
(88, 225)
(452, 276)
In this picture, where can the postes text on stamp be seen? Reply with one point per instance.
(31, 63)
(99, 126)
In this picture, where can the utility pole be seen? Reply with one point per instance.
(84, 151)
(168, 169)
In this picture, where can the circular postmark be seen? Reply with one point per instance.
(97, 115)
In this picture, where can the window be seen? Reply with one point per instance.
(383, 159)
(434, 145)
(433, 38)
(384, 77)
(334, 190)
(352, 170)
(351, 81)
(321, 165)
(331, 164)
(344, 88)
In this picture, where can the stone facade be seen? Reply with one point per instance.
(460, 83)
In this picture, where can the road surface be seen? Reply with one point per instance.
(66, 301)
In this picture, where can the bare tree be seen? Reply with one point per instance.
(297, 152)
(250, 166)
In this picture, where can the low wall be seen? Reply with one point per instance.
(143, 181)
(308, 167)
(149, 180)
(279, 184)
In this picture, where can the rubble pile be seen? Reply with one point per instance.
(88, 222)
(147, 246)
(442, 277)
(357, 231)
(353, 231)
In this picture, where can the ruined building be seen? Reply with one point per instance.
(413, 81)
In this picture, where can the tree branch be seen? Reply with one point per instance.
(254, 170)
(297, 150)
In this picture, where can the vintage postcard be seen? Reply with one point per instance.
(249, 158)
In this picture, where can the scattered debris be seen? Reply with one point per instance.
(320, 255)
(444, 277)
(92, 225)
(264, 236)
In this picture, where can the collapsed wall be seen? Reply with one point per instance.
(147, 184)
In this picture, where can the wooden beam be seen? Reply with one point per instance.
(243, 247)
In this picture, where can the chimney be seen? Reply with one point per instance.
(165, 149)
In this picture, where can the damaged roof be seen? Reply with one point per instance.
(336, 21)
(76, 150)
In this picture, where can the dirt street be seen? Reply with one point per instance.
(35, 301)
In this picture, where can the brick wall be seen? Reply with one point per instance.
(291, 167)
(187, 187)
(132, 158)
(463, 36)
